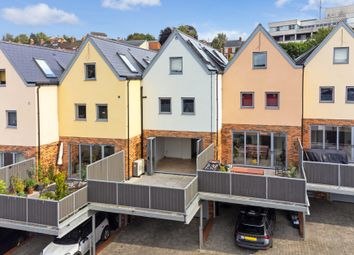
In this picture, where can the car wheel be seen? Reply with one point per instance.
(105, 234)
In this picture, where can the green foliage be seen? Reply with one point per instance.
(164, 34)
(296, 49)
(40, 173)
(8, 37)
(219, 41)
(30, 183)
(141, 36)
(292, 171)
(22, 38)
(51, 173)
(61, 187)
(46, 181)
(17, 185)
(3, 187)
(189, 30)
(48, 195)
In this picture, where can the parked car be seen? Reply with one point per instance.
(294, 219)
(77, 241)
(254, 228)
(10, 238)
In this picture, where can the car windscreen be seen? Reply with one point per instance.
(71, 238)
(250, 229)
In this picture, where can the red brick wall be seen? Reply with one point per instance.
(307, 127)
(28, 151)
(293, 133)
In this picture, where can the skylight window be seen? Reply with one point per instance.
(147, 60)
(127, 63)
(45, 68)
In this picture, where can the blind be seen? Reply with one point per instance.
(176, 64)
(341, 55)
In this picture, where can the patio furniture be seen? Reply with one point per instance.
(244, 170)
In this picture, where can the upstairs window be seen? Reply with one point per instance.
(165, 105)
(188, 106)
(341, 55)
(102, 112)
(247, 100)
(90, 71)
(350, 95)
(80, 111)
(326, 94)
(2, 77)
(259, 60)
(128, 63)
(45, 68)
(176, 65)
(11, 119)
(272, 100)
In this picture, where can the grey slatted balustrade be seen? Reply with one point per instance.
(205, 156)
(20, 169)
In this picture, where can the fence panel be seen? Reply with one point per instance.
(248, 185)
(286, 189)
(80, 198)
(43, 212)
(102, 192)
(13, 208)
(214, 182)
(321, 173)
(133, 195)
(205, 156)
(346, 176)
(66, 207)
(191, 191)
(20, 169)
(167, 199)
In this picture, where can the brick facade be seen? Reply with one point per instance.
(207, 137)
(307, 123)
(293, 134)
(27, 151)
(119, 145)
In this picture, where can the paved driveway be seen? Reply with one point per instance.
(330, 230)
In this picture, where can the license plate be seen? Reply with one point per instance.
(249, 238)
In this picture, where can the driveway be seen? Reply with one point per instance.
(330, 229)
(32, 246)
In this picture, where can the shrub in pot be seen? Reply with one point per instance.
(17, 185)
(30, 183)
(61, 187)
(3, 187)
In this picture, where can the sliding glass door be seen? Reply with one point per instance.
(261, 149)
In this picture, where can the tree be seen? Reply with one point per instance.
(22, 38)
(141, 36)
(8, 37)
(189, 30)
(164, 34)
(219, 41)
(296, 49)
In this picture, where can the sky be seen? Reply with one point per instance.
(118, 18)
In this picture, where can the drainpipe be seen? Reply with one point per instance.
(302, 106)
(141, 123)
(211, 106)
(217, 116)
(38, 128)
(128, 131)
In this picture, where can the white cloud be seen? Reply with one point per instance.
(39, 14)
(281, 3)
(314, 4)
(124, 5)
(231, 35)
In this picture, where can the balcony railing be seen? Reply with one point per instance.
(20, 169)
(39, 211)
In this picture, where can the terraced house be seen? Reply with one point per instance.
(262, 105)
(100, 104)
(29, 78)
(182, 104)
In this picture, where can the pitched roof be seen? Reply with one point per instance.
(300, 60)
(22, 57)
(135, 42)
(342, 24)
(233, 43)
(112, 50)
(258, 29)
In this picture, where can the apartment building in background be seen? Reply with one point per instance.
(301, 30)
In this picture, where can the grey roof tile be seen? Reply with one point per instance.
(22, 56)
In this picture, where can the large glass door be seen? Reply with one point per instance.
(151, 155)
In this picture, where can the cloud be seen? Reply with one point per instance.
(314, 4)
(124, 5)
(231, 34)
(39, 14)
(281, 3)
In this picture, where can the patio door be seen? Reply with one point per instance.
(151, 155)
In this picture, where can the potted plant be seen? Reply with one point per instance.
(3, 187)
(30, 183)
(61, 187)
(17, 185)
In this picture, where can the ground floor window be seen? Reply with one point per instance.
(333, 138)
(9, 158)
(81, 155)
(264, 149)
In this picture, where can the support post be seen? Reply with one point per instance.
(302, 227)
(201, 236)
(93, 238)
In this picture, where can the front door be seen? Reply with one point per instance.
(151, 155)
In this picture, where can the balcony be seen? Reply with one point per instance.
(39, 215)
(163, 196)
(263, 188)
(330, 177)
